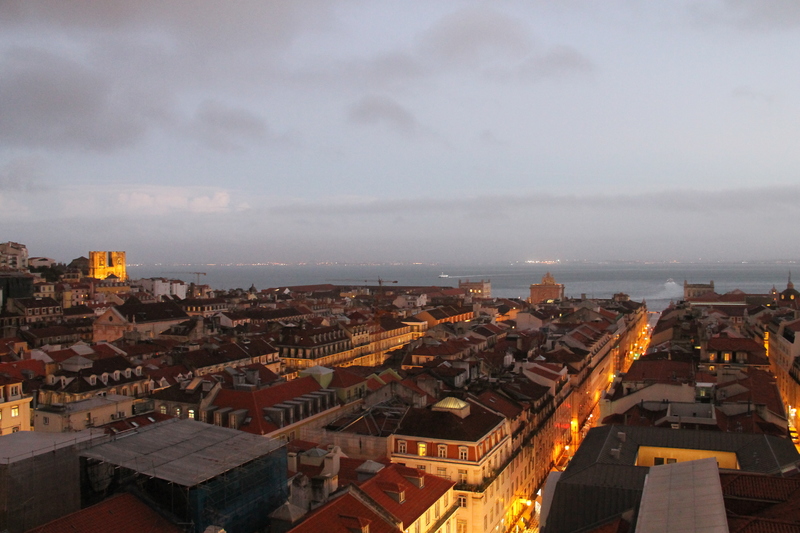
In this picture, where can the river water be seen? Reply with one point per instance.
(657, 283)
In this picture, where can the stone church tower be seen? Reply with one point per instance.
(105, 264)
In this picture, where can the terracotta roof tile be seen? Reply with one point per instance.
(123, 513)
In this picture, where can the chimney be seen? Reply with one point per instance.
(292, 461)
(331, 462)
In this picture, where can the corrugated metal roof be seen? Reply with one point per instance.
(185, 452)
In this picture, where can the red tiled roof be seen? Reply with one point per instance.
(343, 379)
(394, 478)
(660, 370)
(495, 402)
(329, 518)
(255, 401)
(735, 345)
(15, 368)
(123, 513)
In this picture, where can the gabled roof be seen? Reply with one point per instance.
(417, 499)
(344, 515)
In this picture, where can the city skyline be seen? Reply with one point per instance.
(447, 132)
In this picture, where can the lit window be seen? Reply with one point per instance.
(191, 414)
(163, 409)
(422, 449)
(14, 411)
(177, 411)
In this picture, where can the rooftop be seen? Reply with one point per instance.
(185, 452)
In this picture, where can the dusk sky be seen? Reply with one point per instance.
(258, 131)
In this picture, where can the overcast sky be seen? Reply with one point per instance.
(405, 130)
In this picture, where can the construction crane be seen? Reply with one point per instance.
(379, 281)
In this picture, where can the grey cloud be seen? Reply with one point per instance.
(21, 174)
(747, 93)
(473, 37)
(750, 14)
(198, 24)
(389, 70)
(374, 110)
(52, 102)
(701, 203)
(226, 128)
(556, 62)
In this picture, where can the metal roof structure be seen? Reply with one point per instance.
(23, 445)
(683, 497)
(185, 452)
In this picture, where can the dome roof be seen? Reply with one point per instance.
(451, 403)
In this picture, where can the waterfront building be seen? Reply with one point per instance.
(547, 290)
(693, 290)
(476, 289)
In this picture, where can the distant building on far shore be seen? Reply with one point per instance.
(692, 290)
(548, 289)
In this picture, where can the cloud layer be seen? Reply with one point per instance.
(353, 129)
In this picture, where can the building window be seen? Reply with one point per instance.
(441, 472)
(461, 526)
(428, 516)
(191, 414)
(177, 411)
(163, 409)
(671, 461)
(401, 446)
(422, 449)
(442, 450)
(462, 453)
(14, 411)
(462, 500)
(421, 468)
(462, 476)
(658, 461)
(15, 429)
(46, 420)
